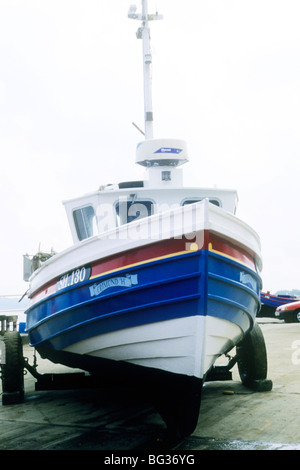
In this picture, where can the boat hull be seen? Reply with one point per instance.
(155, 314)
(172, 345)
(176, 312)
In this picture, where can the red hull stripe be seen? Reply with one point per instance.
(134, 257)
(140, 255)
(159, 250)
(231, 250)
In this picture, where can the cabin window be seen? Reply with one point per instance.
(128, 211)
(192, 201)
(85, 221)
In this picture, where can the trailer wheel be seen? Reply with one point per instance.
(12, 369)
(252, 360)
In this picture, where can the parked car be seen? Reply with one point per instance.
(289, 312)
(269, 302)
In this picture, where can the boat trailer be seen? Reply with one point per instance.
(14, 366)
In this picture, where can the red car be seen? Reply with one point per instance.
(289, 312)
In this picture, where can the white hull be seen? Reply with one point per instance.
(186, 346)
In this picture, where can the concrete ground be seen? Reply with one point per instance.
(231, 416)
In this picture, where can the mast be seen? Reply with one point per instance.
(144, 33)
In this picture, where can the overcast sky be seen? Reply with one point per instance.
(226, 78)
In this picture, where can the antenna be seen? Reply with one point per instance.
(144, 33)
(137, 127)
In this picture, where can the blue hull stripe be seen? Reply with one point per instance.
(196, 283)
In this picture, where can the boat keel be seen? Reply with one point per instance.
(178, 403)
(176, 397)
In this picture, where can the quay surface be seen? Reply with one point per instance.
(232, 417)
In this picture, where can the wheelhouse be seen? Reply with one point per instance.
(111, 207)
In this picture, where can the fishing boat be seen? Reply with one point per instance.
(269, 302)
(160, 282)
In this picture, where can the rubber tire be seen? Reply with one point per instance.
(296, 318)
(252, 357)
(13, 368)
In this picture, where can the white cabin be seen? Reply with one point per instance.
(161, 190)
